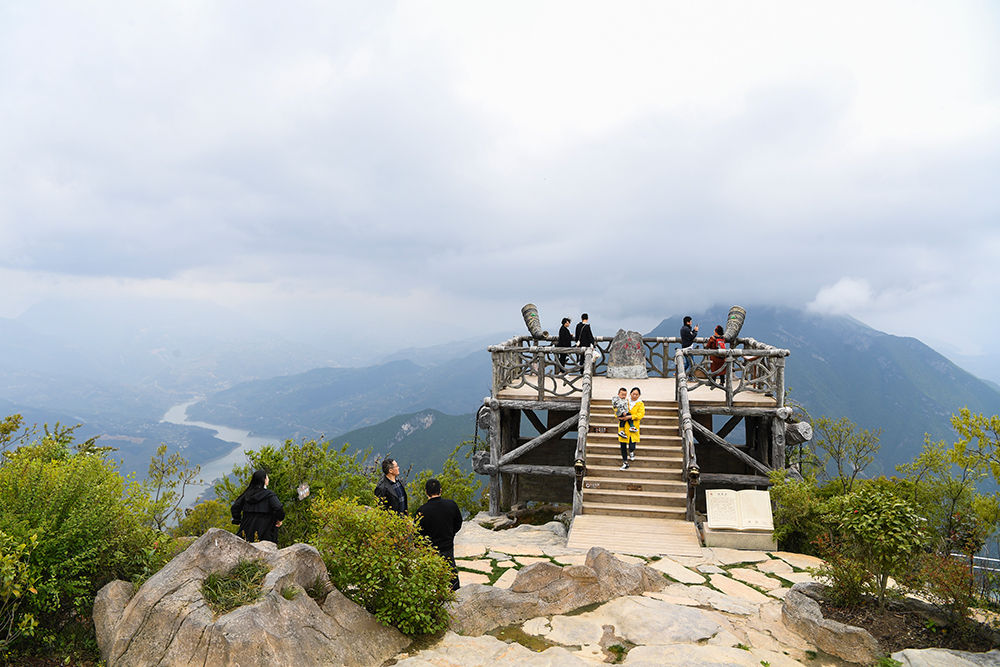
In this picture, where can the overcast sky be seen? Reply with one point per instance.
(368, 167)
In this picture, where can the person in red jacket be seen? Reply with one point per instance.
(718, 342)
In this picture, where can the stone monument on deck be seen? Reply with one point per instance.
(626, 358)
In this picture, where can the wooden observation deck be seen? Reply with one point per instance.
(651, 506)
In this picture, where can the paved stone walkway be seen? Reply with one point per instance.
(723, 608)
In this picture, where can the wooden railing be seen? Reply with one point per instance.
(524, 361)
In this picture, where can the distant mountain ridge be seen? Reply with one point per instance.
(841, 367)
(332, 401)
(838, 367)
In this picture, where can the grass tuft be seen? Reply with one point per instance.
(239, 586)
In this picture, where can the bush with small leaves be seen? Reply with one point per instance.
(16, 585)
(87, 521)
(379, 559)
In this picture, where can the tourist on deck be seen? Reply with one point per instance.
(718, 342)
(637, 410)
(688, 336)
(390, 492)
(620, 405)
(584, 337)
(257, 511)
(565, 340)
(440, 519)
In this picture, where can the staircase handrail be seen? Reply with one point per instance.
(691, 471)
(582, 428)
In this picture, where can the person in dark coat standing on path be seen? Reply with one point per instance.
(440, 519)
(257, 511)
(390, 492)
(565, 340)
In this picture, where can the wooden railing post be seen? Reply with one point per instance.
(494, 457)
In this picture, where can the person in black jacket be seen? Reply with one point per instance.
(565, 340)
(390, 492)
(584, 337)
(257, 511)
(688, 336)
(440, 519)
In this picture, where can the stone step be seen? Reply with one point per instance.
(626, 509)
(636, 471)
(626, 497)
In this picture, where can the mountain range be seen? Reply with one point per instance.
(838, 367)
(117, 373)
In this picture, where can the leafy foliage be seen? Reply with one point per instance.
(879, 531)
(798, 512)
(240, 586)
(327, 470)
(16, 583)
(947, 582)
(380, 560)
(87, 520)
(207, 514)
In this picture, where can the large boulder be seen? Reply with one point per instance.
(168, 622)
(627, 356)
(802, 613)
(543, 589)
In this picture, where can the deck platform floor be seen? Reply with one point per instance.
(641, 537)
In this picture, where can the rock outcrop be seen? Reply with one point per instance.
(168, 622)
(545, 588)
(802, 614)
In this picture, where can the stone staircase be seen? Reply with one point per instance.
(653, 486)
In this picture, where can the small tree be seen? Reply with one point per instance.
(166, 474)
(849, 448)
(880, 531)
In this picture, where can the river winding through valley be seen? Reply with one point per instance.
(222, 466)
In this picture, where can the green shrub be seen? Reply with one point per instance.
(85, 516)
(378, 559)
(207, 514)
(241, 585)
(16, 585)
(879, 531)
(798, 513)
(327, 470)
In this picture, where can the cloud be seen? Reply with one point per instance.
(448, 163)
(846, 296)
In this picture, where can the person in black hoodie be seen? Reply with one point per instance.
(257, 511)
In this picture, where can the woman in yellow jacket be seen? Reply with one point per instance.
(637, 409)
